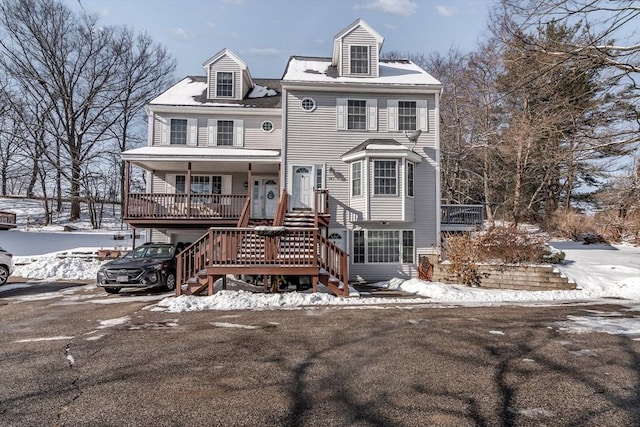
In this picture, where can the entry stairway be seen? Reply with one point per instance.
(294, 246)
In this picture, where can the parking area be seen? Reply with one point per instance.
(76, 356)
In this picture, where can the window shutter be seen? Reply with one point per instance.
(192, 132)
(164, 131)
(226, 184)
(211, 131)
(341, 113)
(423, 115)
(372, 114)
(238, 137)
(392, 113)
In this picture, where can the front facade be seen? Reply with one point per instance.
(351, 138)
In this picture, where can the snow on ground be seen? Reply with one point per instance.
(600, 272)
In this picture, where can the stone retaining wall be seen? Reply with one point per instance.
(516, 277)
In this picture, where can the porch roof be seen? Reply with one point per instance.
(161, 158)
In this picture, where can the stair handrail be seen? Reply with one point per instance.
(334, 260)
(198, 253)
(283, 203)
(243, 221)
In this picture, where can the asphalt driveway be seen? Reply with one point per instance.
(75, 356)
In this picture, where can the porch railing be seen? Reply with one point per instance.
(462, 215)
(169, 205)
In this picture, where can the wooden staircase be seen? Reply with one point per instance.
(294, 246)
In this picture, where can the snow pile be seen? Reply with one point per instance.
(57, 267)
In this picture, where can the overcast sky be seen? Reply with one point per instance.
(264, 33)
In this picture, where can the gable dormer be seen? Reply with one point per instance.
(356, 50)
(228, 76)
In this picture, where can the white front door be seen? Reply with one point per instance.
(264, 198)
(270, 192)
(302, 191)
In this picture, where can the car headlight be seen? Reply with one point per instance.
(159, 267)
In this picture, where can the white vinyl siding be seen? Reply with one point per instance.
(356, 114)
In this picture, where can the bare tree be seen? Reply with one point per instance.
(91, 75)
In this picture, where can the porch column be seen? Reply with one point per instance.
(250, 182)
(188, 189)
(125, 194)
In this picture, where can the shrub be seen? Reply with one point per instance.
(462, 253)
(510, 245)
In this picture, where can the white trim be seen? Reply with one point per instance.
(222, 110)
(350, 70)
(407, 163)
(400, 246)
(315, 105)
(373, 178)
(351, 195)
(273, 126)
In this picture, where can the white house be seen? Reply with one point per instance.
(341, 155)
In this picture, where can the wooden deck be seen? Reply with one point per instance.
(7, 220)
(269, 251)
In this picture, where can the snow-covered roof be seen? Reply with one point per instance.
(381, 145)
(192, 91)
(320, 70)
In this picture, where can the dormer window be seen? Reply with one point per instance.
(359, 60)
(224, 84)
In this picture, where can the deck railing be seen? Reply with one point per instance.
(462, 215)
(170, 205)
(267, 248)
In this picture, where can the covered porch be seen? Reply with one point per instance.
(193, 186)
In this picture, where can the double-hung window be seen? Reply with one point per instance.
(357, 114)
(225, 132)
(356, 179)
(200, 184)
(178, 135)
(410, 178)
(385, 177)
(383, 246)
(407, 115)
(359, 60)
(224, 84)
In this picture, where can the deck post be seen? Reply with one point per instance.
(314, 283)
(179, 273)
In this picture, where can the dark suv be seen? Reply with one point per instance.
(148, 265)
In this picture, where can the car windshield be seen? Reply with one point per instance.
(150, 252)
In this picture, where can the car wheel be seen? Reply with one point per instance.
(112, 290)
(170, 283)
(4, 275)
